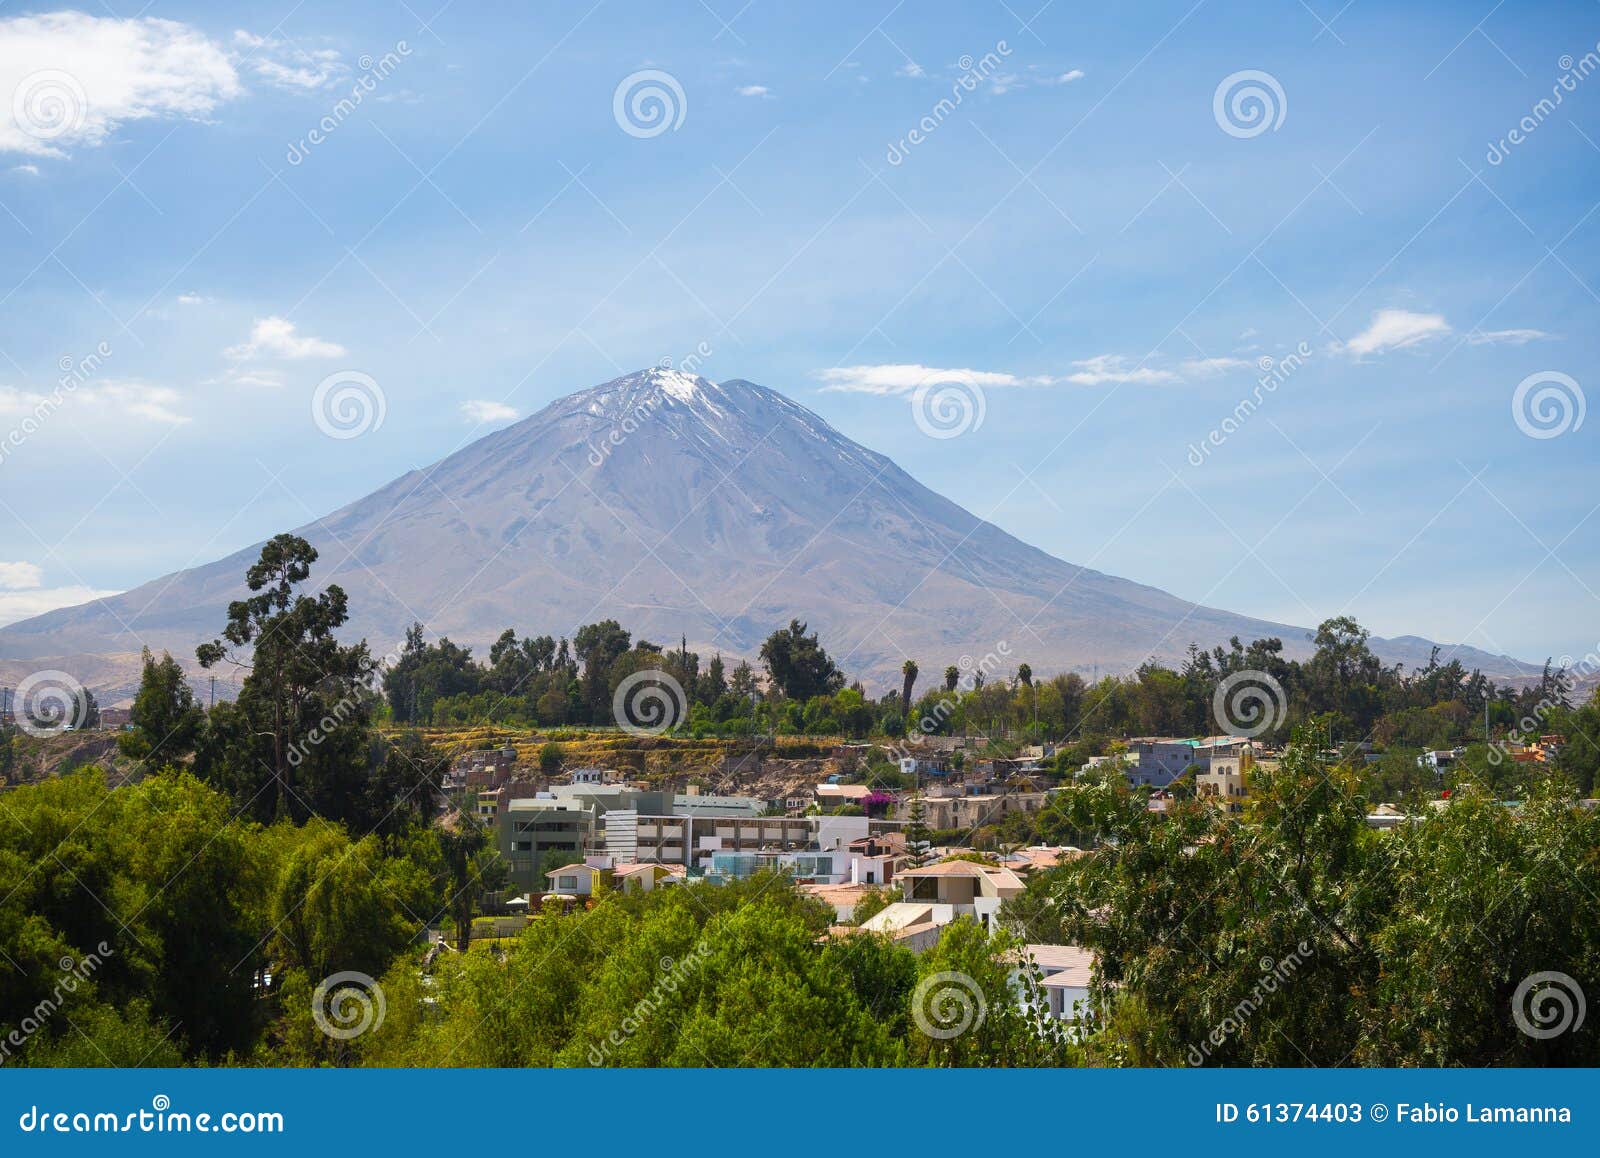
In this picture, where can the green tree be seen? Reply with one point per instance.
(472, 866)
(919, 839)
(797, 664)
(598, 646)
(303, 710)
(166, 719)
(908, 680)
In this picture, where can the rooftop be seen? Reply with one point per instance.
(1064, 966)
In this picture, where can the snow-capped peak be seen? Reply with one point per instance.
(677, 384)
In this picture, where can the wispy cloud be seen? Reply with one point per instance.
(904, 377)
(1208, 367)
(26, 170)
(127, 398)
(1505, 337)
(141, 400)
(1102, 369)
(1116, 369)
(262, 379)
(1395, 329)
(286, 65)
(479, 411)
(1069, 76)
(72, 78)
(275, 337)
(755, 90)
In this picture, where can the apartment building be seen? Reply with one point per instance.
(530, 827)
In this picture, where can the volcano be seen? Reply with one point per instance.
(683, 508)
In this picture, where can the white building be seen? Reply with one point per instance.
(1065, 972)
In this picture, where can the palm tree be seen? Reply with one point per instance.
(909, 671)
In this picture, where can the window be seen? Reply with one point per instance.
(567, 882)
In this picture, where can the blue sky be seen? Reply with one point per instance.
(1087, 236)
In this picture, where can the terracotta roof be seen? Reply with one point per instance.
(949, 868)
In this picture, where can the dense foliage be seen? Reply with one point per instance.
(1300, 936)
(1342, 685)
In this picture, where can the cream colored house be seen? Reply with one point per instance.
(934, 896)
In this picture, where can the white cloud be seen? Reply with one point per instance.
(19, 605)
(20, 576)
(26, 170)
(910, 69)
(131, 398)
(1207, 367)
(1114, 368)
(479, 411)
(71, 78)
(190, 300)
(755, 90)
(262, 379)
(1507, 337)
(142, 400)
(1396, 330)
(287, 65)
(16, 403)
(903, 378)
(275, 337)
(1070, 76)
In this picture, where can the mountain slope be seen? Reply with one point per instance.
(683, 507)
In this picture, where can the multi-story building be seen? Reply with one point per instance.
(1224, 782)
(531, 827)
(967, 812)
(631, 825)
(1159, 760)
